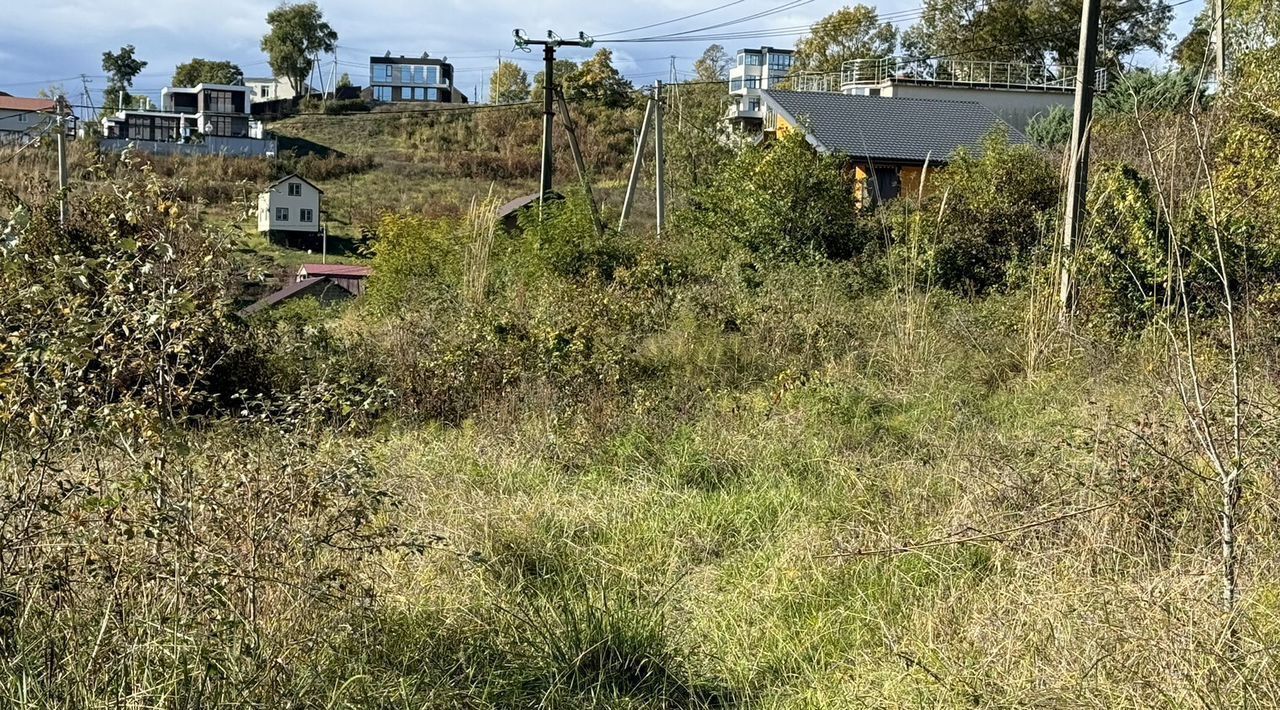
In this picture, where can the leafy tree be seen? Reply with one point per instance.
(1051, 129)
(344, 81)
(206, 71)
(298, 33)
(1034, 31)
(849, 33)
(713, 65)
(565, 71)
(509, 84)
(1192, 51)
(598, 79)
(121, 68)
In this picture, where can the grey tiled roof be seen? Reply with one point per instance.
(887, 128)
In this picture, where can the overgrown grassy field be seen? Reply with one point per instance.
(792, 453)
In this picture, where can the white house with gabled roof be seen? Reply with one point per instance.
(290, 205)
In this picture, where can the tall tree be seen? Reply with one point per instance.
(206, 71)
(848, 33)
(1034, 31)
(121, 68)
(713, 65)
(565, 70)
(298, 34)
(598, 79)
(344, 81)
(1192, 51)
(509, 84)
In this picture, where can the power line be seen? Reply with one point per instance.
(668, 22)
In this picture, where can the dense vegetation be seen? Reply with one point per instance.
(793, 453)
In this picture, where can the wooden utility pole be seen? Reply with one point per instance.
(1078, 181)
(660, 157)
(549, 46)
(634, 179)
(579, 161)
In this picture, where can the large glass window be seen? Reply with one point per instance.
(741, 58)
(417, 75)
(433, 75)
(382, 93)
(754, 104)
(735, 84)
(218, 101)
(217, 126)
(406, 74)
(751, 82)
(382, 72)
(433, 94)
(754, 60)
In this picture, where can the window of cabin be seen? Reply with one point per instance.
(304, 215)
(382, 93)
(282, 214)
(295, 189)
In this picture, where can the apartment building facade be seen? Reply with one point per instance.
(412, 79)
(755, 70)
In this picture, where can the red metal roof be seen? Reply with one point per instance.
(342, 270)
(14, 103)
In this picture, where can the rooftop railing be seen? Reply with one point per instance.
(962, 72)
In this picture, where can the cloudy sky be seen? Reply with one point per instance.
(472, 33)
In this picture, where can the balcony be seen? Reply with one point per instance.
(871, 73)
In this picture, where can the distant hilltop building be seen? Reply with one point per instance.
(413, 79)
(756, 70)
(273, 88)
(202, 119)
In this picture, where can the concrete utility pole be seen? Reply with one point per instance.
(549, 46)
(61, 128)
(578, 160)
(1220, 39)
(1078, 182)
(634, 180)
(660, 157)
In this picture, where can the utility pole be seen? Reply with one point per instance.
(1220, 40)
(549, 46)
(634, 180)
(60, 127)
(1078, 181)
(660, 157)
(579, 161)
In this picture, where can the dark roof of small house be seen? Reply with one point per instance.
(346, 271)
(294, 289)
(295, 176)
(522, 202)
(900, 129)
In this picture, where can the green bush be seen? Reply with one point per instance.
(783, 200)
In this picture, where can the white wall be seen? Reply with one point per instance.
(279, 197)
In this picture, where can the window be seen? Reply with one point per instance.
(218, 101)
(382, 93)
(751, 82)
(304, 216)
(282, 214)
(433, 75)
(754, 105)
(735, 84)
(406, 74)
(217, 126)
(781, 62)
(741, 58)
(295, 189)
(382, 72)
(433, 94)
(417, 75)
(754, 60)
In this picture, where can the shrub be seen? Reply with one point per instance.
(783, 200)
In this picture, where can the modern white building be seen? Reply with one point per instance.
(272, 88)
(290, 206)
(756, 69)
(206, 118)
